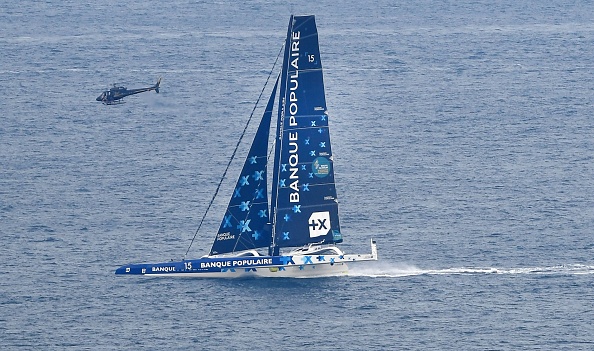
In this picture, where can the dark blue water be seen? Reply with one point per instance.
(462, 134)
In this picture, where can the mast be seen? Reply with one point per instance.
(279, 133)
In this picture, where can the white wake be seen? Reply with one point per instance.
(386, 269)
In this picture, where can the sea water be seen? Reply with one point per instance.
(462, 139)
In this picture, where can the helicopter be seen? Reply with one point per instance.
(115, 94)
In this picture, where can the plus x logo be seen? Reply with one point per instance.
(319, 224)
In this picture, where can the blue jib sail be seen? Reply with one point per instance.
(304, 200)
(246, 222)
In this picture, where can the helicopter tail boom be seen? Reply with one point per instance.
(157, 85)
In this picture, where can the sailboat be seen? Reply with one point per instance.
(298, 224)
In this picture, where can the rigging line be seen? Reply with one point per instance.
(271, 151)
(234, 152)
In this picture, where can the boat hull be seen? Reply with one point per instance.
(240, 268)
(312, 264)
(310, 271)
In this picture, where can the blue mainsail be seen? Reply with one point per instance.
(304, 200)
(245, 224)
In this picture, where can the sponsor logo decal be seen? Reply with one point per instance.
(336, 235)
(321, 167)
(293, 103)
(319, 224)
(225, 236)
(236, 263)
(163, 269)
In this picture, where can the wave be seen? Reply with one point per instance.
(385, 269)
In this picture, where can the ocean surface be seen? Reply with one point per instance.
(463, 143)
